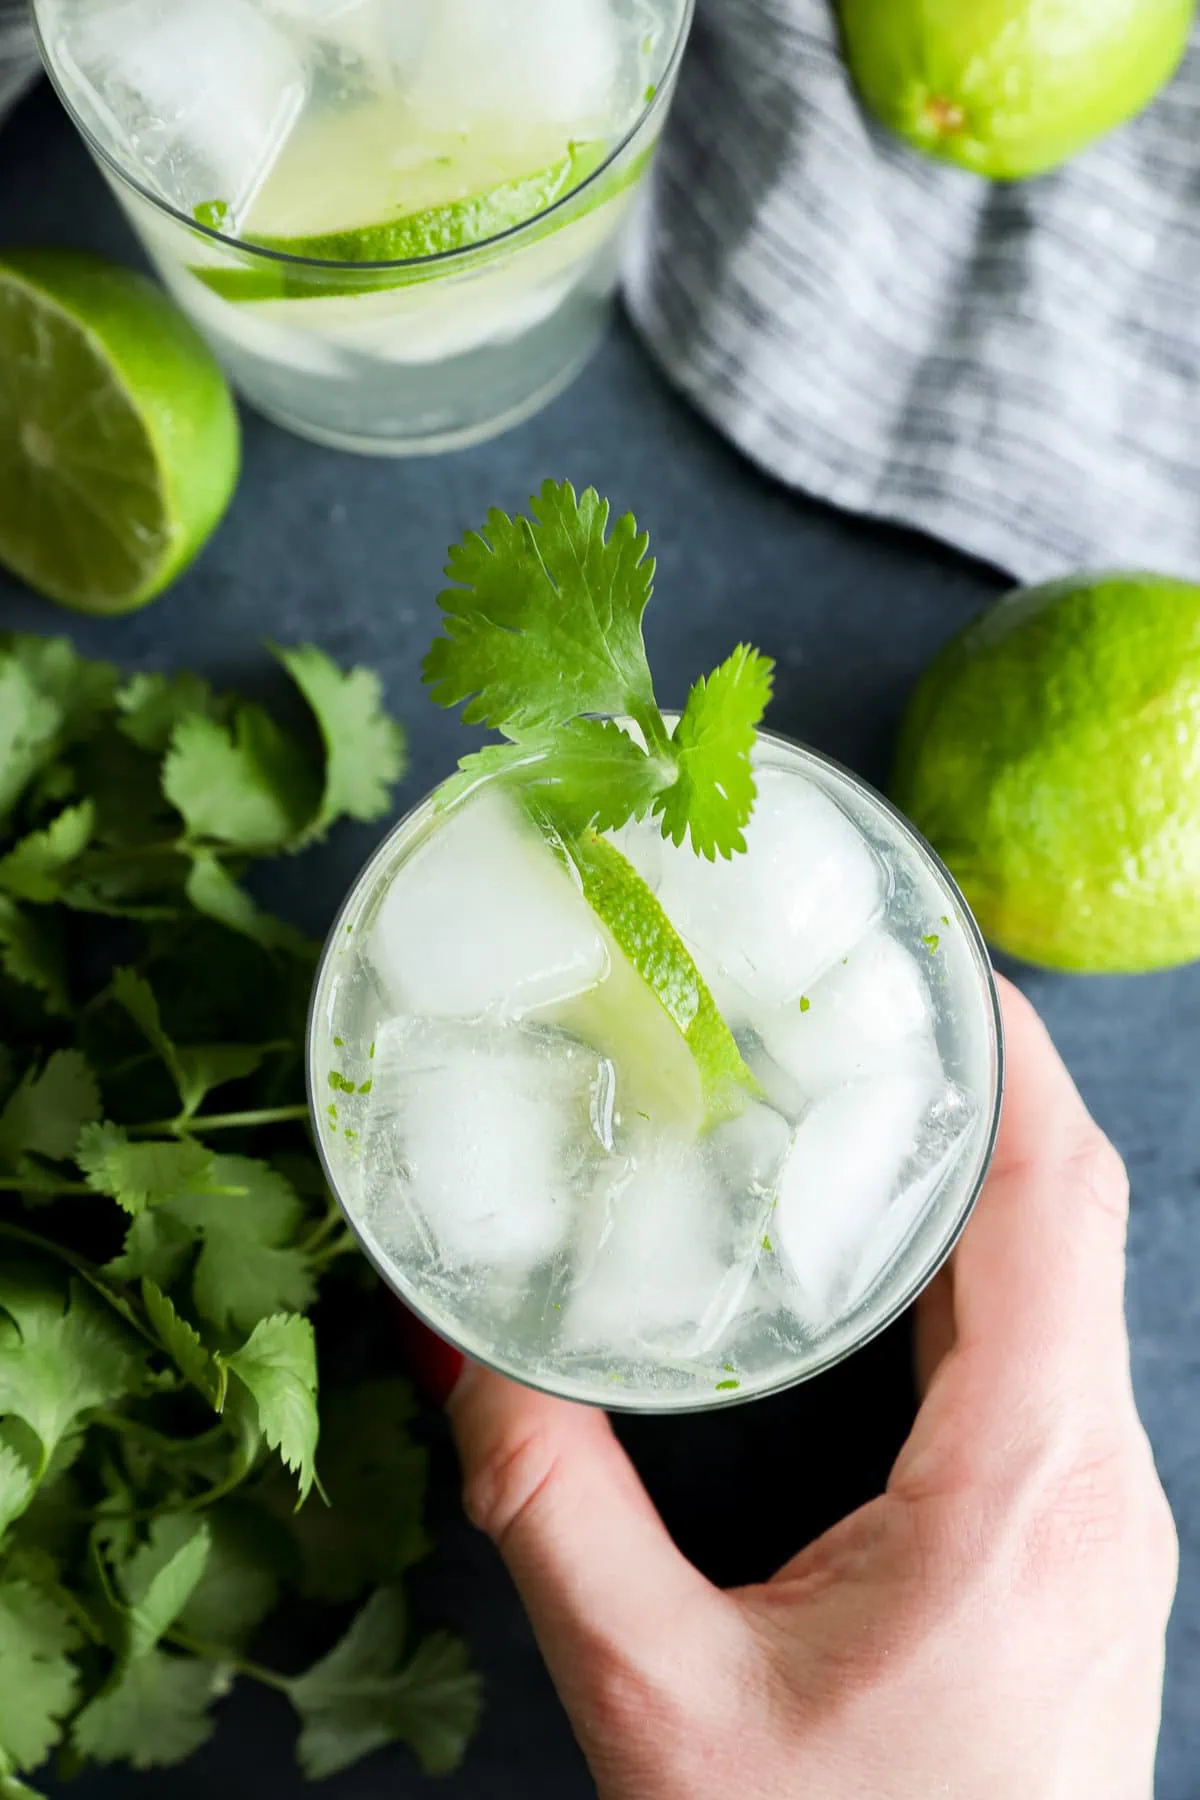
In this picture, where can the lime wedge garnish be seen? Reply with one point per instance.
(657, 955)
(118, 434)
(456, 225)
(427, 233)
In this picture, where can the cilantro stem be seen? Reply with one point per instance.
(324, 1229)
(235, 1121)
(216, 1653)
(340, 1247)
(166, 1446)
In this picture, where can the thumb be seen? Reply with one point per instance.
(605, 1588)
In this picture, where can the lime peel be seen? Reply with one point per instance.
(631, 913)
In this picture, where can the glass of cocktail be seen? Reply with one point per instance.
(398, 222)
(646, 1128)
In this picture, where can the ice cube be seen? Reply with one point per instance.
(199, 100)
(844, 1169)
(869, 1015)
(531, 61)
(671, 1240)
(483, 918)
(649, 1275)
(944, 1132)
(771, 921)
(475, 1139)
(641, 843)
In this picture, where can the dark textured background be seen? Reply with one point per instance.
(347, 553)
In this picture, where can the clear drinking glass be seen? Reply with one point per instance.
(505, 1115)
(18, 52)
(439, 186)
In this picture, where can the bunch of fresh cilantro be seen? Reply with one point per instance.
(164, 1229)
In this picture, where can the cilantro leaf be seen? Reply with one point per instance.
(713, 795)
(50, 697)
(213, 891)
(38, 1681)
(364, 748)
(248, 1267)
(31, 954)
(374, 1473)
(363, 1696)
(248, 785)
(545, 622)
(16, 1479)
(249, 1554)
(154, 1715)
(137, 1175)
(11, 1785)
(543, 631)
(195, 1069)
(157, 1248)
(184, 1345)
(588, 773)
(151, 706)
(46, 1113)
(35, 867)
(160, 1577)
(60, 1355)
(278, 1365)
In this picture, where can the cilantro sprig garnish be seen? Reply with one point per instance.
(165, 1229)
(543, 643)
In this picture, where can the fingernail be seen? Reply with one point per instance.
(436, 1365)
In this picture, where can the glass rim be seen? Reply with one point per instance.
(439, 259)
(906, 1294)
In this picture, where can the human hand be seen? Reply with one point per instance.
(990, 1628)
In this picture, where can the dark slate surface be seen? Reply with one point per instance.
(347, 553)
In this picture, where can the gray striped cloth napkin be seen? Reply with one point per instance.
(18, 53)
(1015, 369)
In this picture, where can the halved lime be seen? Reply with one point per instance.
(119, 444)
(714, 1070)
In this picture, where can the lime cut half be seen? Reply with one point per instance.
(119, 443)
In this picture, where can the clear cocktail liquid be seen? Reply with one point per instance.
(222, 123)
(515, 1127)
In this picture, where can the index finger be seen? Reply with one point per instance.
(1042, 1261)
(1030, 1321)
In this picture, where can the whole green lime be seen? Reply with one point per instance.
(1011, 88)
(1051, 754)
(119, 443)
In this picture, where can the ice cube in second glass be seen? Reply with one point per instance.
(197, 99)
(484, 919)
(843, 1171)
(531, 62)
(807, 889)
(476, 1142)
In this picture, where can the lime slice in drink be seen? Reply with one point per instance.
(416, 237)
(456, 225)
(119, 444)
(713, 1082)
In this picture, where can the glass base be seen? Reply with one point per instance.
(432, 443)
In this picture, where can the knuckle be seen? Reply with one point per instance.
(1096, 1170)
(509, 1484)
(1094, 1512)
